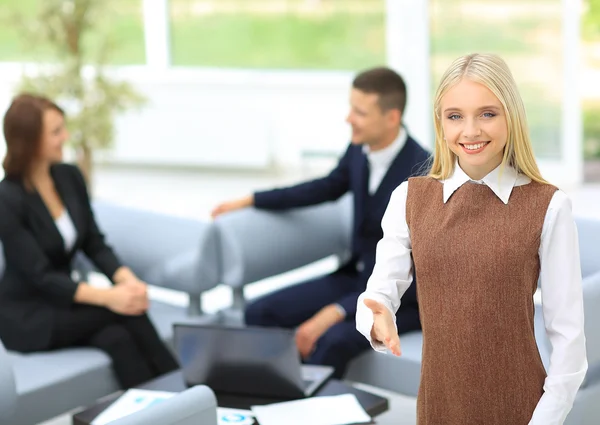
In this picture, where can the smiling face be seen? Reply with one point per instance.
(370, 124)
(474, 127)
(54, 136)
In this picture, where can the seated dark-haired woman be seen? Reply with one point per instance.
(45, 218)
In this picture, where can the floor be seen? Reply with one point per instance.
(192, 193)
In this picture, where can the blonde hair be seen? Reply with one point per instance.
(492, 72)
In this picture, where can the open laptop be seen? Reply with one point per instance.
(252, 361)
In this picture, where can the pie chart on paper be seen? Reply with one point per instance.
(235, 416)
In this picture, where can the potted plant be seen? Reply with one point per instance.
(76, 76)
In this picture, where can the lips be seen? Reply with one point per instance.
(474, 146)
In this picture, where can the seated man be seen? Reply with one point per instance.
(380, 157)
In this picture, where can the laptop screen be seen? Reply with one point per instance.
(247, 360)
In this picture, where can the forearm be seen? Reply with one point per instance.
(328, 316)
(87, 294)
(301, 195)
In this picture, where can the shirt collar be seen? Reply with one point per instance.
(385, 156)
(501, 181)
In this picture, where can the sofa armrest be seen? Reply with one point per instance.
(591, 301)
(197, 406)
(8, 388)
(256, 244)
(169, 251)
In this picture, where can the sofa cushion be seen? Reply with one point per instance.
(588, 230)
(51, 383)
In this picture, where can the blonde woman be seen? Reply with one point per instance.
(478, 232)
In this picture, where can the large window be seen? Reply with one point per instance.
(528, 35)
(298, 34)
(122, 20)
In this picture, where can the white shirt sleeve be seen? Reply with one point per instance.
(562, 302)
(393, 271)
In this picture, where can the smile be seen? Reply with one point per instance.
(474, 147)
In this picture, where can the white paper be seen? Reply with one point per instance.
(334, 410)
(229, 416)
(130, 402)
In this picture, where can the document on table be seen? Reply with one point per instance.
(333, 410)
(130, 402)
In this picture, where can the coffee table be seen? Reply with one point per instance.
(373, 404)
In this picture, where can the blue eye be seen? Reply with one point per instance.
(489, 115)
(454, 117)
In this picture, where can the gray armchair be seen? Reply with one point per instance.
(173, 252)
(257, 244)
(195, 406)
(166, 251)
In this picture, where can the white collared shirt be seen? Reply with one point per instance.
(67, 230)
(560, 276)
(380, 161)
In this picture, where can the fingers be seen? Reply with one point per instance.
(216, 212)
(393, 344)
(305, 343)
(221, 209)
(300, 344)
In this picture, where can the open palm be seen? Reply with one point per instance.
(384, 329)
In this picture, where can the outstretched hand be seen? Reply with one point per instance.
(384, 330)
(230, 206)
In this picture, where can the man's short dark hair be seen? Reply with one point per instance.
(386, 83)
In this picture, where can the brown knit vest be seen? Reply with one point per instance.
(477, 266)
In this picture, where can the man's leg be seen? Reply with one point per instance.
(290, 307)
(407, 319)
(340, 344)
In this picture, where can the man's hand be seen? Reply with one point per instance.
(230, 206)
(384, 330)
(310, 331)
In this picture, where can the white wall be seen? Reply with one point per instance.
(224, 118)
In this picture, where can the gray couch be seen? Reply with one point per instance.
(8, 388)
(165, 251)
(258, 244)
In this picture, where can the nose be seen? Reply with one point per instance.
(471, 130)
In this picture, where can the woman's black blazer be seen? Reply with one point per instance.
(37, 276)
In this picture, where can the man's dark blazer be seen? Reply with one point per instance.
(352, 174)
(37, 276)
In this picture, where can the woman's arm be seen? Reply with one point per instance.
(122, 299)
(94, 245)
(562, 301)
(87, 294)
(392, 274)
